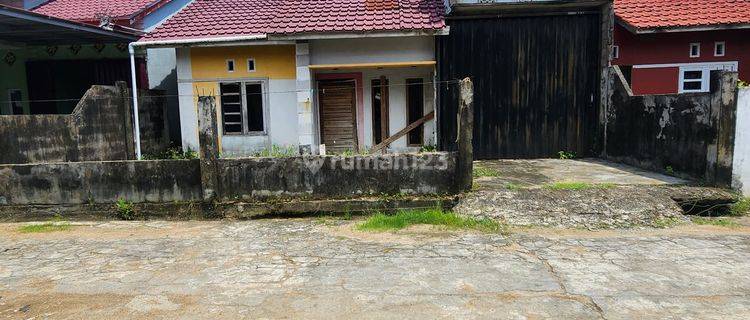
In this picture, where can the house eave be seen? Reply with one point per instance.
(715, 27)
(349, 35)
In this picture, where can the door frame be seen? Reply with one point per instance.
(359, 101)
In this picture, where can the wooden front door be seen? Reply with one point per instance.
(338, 121)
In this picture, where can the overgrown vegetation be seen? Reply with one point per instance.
(173, 153)
(480, 171)
(720, 222)
(55, 224)
(740, 208)
(513, 186)
(277, 151)
(576, 186)
(436, 217)
(428, 148)
(125, 210)
(565, 155)
(742, 84)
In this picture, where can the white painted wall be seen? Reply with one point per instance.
(188, 108)
(281, 125)
(383, 50)
(741, 162)
(368, 50)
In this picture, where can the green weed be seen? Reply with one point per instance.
(740, 208)
(125, 210)
(480, 171)
(721, 222)
(277, 151)
(173, 153)
(55, 224)
(566, 155)
(437, 217)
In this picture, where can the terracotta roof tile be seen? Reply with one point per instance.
(89, 10)
(650, 14)
(204, 18)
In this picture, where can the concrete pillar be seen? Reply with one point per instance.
(188, 112)
(209, 147)
(465, 163)
(127, 112)
(305, 126)
(724, 117)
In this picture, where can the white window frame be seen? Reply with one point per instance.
(253, 63)
(234, 65)
(243, 103)
(615, 52)
(698, 45)
(706, 68)
(723, 48)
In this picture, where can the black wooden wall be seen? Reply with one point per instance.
(536, 84)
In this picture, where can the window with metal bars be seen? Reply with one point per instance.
(242, 105)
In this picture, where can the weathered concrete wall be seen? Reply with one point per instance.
(98, 129)
(689, 134)
(100, 182)
(741, 159)
(245, 179)
(334, 176)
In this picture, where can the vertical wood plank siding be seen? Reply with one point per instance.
(536, 83)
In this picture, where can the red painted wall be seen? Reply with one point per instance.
(660, 48)
(655, 80)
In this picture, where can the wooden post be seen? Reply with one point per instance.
(209, 147)
(465, 163)
(384, 106)
(127, 113)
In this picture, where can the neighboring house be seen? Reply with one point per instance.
(53, 61)
(141, 15)
(668, 47)
(341, 73)
(22, 4)
(539, 71)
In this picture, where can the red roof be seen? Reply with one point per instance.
(90, 10)
(227, 18)
(653, 14)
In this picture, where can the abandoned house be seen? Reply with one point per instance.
(672, 46)
(344, 74)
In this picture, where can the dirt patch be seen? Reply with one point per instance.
(113, 230)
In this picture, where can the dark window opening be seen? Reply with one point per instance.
(231, 107)
(379, 110)
(415, 109)
(242, 107)
(254, 102)
(230, 65)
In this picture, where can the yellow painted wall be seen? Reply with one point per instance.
(271, 61)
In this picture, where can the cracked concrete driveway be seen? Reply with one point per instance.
(300, 268)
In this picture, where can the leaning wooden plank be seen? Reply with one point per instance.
(403, 132)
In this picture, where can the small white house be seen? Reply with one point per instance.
(348, 80)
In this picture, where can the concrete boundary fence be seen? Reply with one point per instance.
(247, 179)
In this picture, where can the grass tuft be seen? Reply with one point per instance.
(484, 172)
(720, 222)
(45, 227)
(740, 208)
(381, 222)
(576, 186)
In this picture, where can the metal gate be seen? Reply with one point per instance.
(536, 83)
